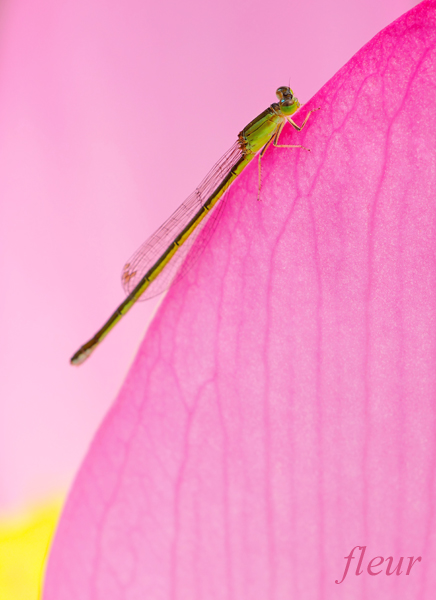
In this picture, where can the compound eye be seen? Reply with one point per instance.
(282, 92)
(289, 104)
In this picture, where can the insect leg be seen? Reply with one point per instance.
(276, 138)
(297, 127)
(262, 152)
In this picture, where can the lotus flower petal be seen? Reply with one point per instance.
(281, 410)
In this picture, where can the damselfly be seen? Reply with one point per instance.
(165, 256)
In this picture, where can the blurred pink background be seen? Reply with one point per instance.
(110, 115)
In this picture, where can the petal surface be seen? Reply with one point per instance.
(281, 410)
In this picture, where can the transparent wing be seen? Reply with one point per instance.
(152, 249)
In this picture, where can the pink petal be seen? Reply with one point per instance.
(281, 410)
(85, 130)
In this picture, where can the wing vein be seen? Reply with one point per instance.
(155, 246)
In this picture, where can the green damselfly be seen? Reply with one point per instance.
(163, 257)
